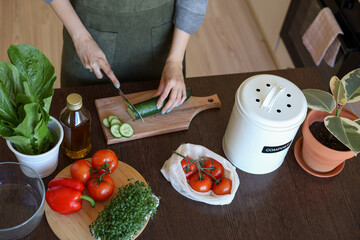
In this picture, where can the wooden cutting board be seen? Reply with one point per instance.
(76, 226)
(177, 120)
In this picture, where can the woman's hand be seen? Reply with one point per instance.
(172, 81)
(172, 78)
(90, 54)
(93, 58)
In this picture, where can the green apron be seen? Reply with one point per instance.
(135, 36)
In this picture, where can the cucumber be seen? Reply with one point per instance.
(117, 128)
(115, 121)
(106, 122)
(148, 107)
(126, 130)
(111, 117)
(115, 131)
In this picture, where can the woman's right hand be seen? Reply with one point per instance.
(93, 58)
(90, 54)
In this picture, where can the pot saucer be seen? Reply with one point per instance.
(298, 157)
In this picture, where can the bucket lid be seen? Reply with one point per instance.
(272, 102)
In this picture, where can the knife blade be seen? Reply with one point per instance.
(129, 103)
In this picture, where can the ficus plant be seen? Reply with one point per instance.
(346, 90)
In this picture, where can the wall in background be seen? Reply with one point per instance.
(270, 16)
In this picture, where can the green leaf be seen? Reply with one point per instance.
(21, 144)
(10, 78)
(338, 90)
(357, 121)
(36, 69)
(351, 82)
(27, 126)
(7, 109)
(319, 100)
(5, 130)
(42, 137)
(345, 130)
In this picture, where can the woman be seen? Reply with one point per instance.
(128, 40)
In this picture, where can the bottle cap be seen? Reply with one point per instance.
(74, 101)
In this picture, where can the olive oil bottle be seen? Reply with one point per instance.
(76, 122)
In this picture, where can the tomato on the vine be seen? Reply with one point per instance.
(188, 167)
(222, 186)
(200, 182)
(105, 160)
(213, 167)
(81, 170)
(101, 188)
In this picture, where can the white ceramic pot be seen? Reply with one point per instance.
(44, 164)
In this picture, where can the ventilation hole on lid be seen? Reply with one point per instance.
(257, 100)
(279, 111)
(268, 85)
(289, 95)
(258, 90)
(288, 105)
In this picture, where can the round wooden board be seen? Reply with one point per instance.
(76, 226)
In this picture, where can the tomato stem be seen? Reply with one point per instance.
(199, 164)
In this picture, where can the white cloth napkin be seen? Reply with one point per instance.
(320, 38)
(174, 173)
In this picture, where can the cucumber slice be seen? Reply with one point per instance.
(115, 130)
(126, 130)
(106, 122)
(111, 117)
(115, 121)
(148, 107)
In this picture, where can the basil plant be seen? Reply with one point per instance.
(346, 90)
(26, 91)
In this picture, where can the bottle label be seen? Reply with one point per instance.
(274, 149)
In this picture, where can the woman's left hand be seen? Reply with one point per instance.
(172, 82)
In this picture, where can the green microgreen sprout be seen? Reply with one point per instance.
(127, 212)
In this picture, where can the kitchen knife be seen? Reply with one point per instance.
(129, 103)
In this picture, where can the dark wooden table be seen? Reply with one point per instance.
(285, 204)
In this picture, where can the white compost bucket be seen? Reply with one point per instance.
(266, 116)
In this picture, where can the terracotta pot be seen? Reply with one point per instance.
(317, 156)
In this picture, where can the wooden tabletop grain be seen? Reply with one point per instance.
(285, 204)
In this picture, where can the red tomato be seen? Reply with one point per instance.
(200, 184)
(188, 167)
(222, 186)
(101, 188)
(214, 168)
(81, 170)
(105, 160)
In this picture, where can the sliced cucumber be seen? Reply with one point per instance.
(126, 130)
(148, 107)
(115, 121)
(111, 117)
(115, 131)
(106, 122)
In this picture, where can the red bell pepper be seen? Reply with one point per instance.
(64, 196)
(67, 182)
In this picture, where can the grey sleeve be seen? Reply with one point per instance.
(189, 14)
